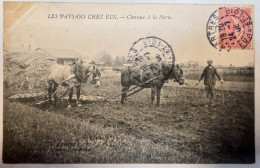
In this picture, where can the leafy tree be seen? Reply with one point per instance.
(123, 59)
(118, 61)
(105, 58)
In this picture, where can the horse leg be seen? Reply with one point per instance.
(50, 83)
(152, 95)
(158, 94)
(123, 97)
(78, 95)
(70, 97)
(55, 86)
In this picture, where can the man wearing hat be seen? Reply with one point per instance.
(75, 69)
(209, 74)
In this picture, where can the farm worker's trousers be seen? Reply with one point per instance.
(210, 92)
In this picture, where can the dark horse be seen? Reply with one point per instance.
(61, 75)
(138, 75)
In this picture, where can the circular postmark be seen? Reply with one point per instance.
(230, 28)
(150, 50)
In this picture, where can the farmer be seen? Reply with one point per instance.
(209, 74)
(75, 69)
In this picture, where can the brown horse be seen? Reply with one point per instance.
(61, 75)
(137, 75)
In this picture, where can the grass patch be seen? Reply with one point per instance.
(35, 136)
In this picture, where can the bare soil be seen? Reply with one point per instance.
(182, 130)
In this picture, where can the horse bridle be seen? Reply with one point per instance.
(177, 79)
(172, 70)
(94, 79)
(79, 77)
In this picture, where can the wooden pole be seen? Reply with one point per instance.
(223, 96)
(134, 92)
(137, 86)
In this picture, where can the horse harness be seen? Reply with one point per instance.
(78, 74)
(156, 71)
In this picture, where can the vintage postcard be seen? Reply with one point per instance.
(128, 83)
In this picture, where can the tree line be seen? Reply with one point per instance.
(106, 59)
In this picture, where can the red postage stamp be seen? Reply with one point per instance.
(230, 28)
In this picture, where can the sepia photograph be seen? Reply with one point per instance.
(88, 83)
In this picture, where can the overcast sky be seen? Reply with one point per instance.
(185, 32)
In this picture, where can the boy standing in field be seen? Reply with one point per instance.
(209, 74)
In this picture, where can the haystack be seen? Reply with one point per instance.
(26, 72)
